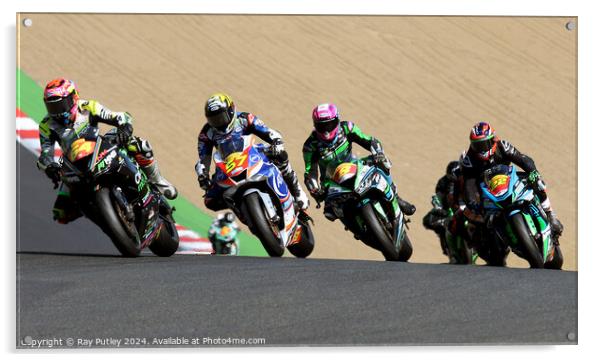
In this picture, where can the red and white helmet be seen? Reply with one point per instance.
(60, 98)
(483, 140)
(326, 121)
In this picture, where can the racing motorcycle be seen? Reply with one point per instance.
(362, 197)
(112, 191)
(256, 192)
(224, 240)
(456, 247)
(514, 216)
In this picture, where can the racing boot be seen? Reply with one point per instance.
(407, 208)
(154, 177)
(290, 177)
(557, 226)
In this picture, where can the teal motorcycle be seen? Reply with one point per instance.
(224, 239)
(361, 195)
(516, 220)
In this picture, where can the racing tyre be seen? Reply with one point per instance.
(406, 250)
(167, 242)
(258, 220)
(303, 248)
(557, 260)
(115, 224)
(466, 253)
(526, 242)
(378, 232)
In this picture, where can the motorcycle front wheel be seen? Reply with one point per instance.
(377, 231)
(526, 242)
(115, 225)
(261, 226)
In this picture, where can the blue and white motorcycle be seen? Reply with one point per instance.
(260, 198)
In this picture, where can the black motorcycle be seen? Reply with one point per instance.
(111, 190)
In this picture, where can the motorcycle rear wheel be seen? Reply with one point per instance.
(258, 221)
(167, 242)
(305, 246)
(114, 225)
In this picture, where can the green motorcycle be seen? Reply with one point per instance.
(515, 217)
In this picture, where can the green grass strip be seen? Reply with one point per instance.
(29, 100)
(29, 97)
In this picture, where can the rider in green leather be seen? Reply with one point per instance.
(329, 145)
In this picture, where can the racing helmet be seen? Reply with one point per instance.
(483, 140)
(229, 217)
(61, 97)
(220, 111)
(326, 121)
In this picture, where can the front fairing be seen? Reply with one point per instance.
(511, 194)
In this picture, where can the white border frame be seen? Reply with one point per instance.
(589, 25)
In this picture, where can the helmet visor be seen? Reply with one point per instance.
(327, 126)
(219, 120)
(59, 107)
(482, 146)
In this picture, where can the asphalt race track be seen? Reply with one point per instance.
(70, 286)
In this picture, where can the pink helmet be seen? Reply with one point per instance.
(60, 98)
(326, 121)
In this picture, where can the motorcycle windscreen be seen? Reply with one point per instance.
(231, 144)
(80, 148)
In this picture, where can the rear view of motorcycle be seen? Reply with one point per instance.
(113, 192)
(362, 196)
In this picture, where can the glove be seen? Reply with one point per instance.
(535, 180)
(533, 177)
(277, 147)
(314, 188)
(124, 133)
(382, 160)
(204, 182)
(53, 171)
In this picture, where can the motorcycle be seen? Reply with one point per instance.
(256, 192)
(224, 240)
(514, 215)
(460, 246)
(112, 191)
(362, 197)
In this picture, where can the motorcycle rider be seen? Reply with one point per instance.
(69, 117)
(487, 150)
(329, 145)
(222, 219)
(223, 120)
(446, 200)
